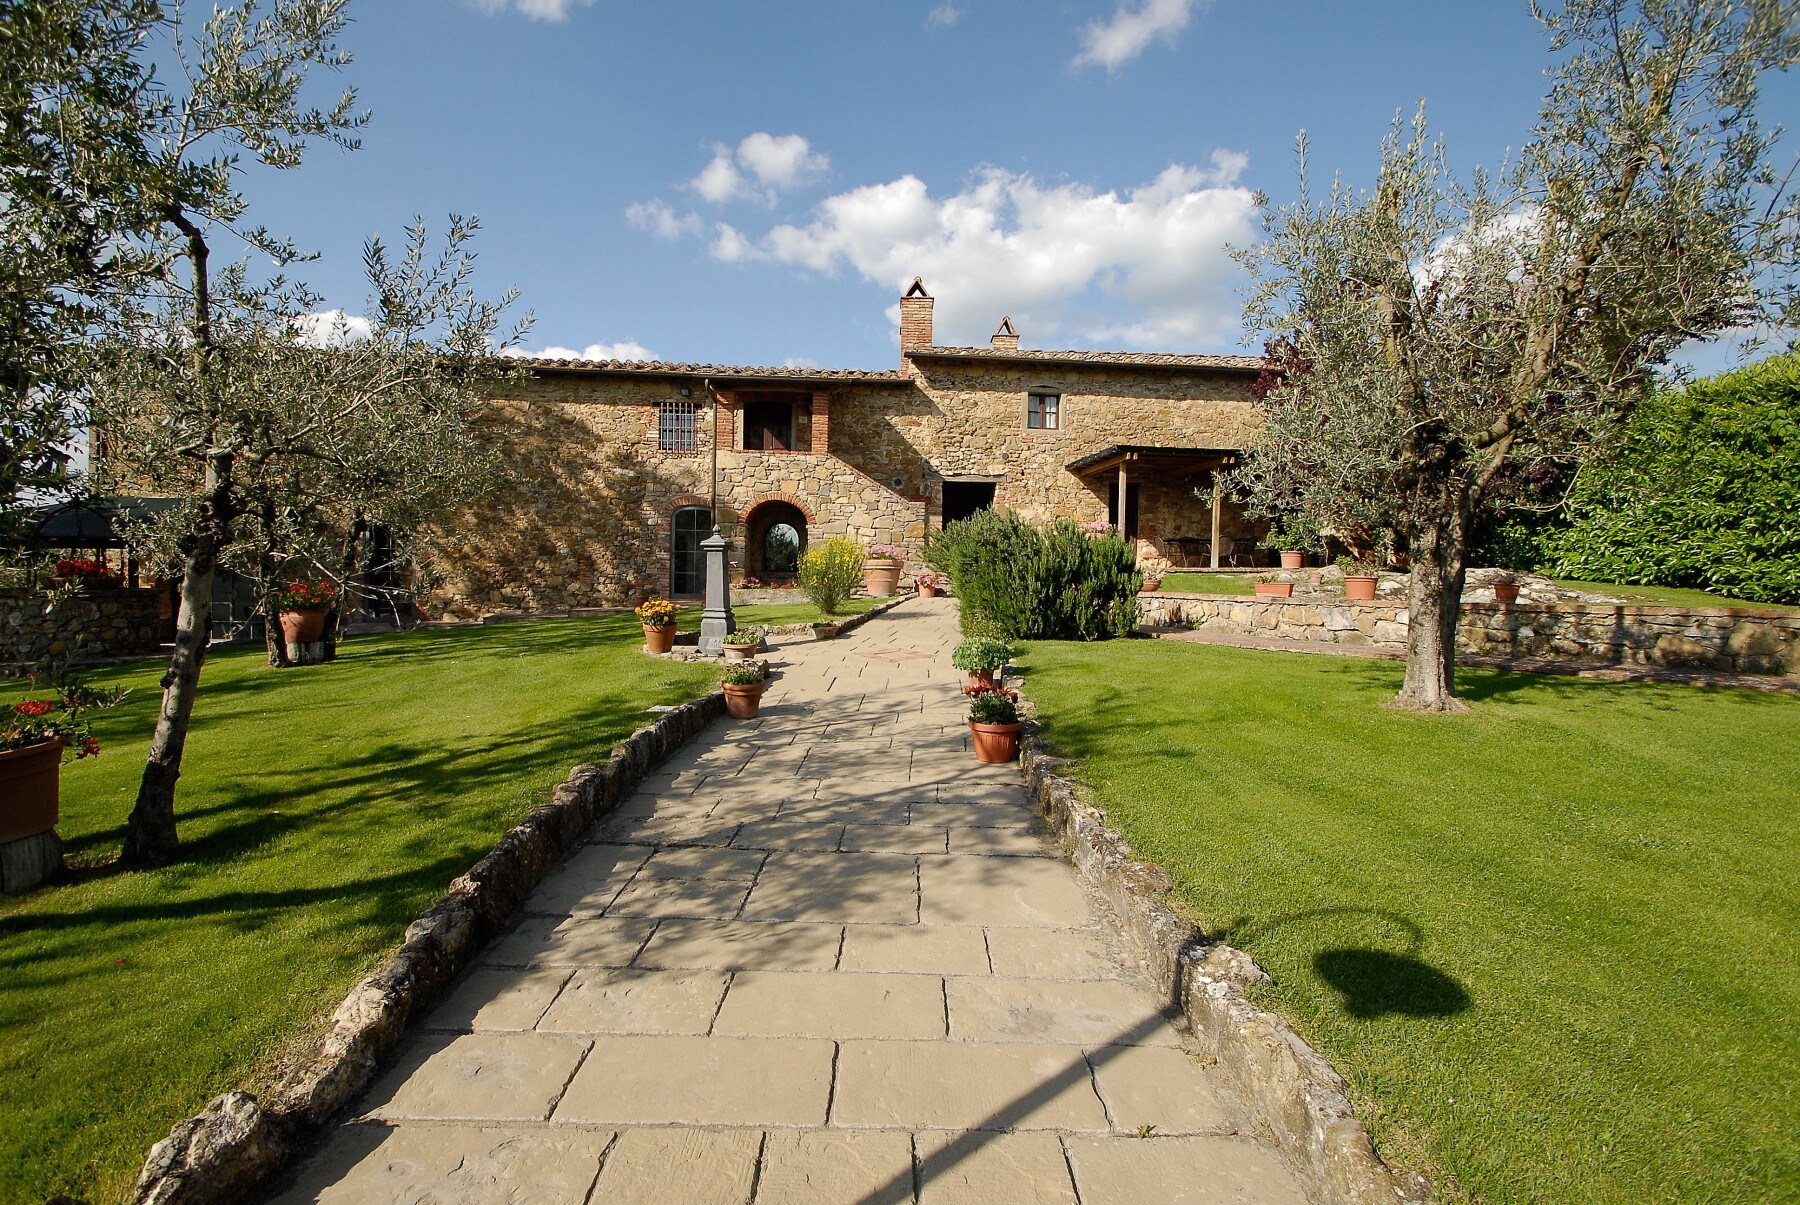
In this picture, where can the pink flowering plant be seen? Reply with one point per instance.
(1099, 527)
(930, 580)
(884, 552)
(64, 717)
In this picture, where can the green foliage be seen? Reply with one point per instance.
(748, 673)
(743, 637)
(994, 707)
(981, 653)
(1703, 490)
(1056, 582)
(830, 572)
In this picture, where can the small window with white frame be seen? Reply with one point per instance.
(677, 427)
(1043, 410)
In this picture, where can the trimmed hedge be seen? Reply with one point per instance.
(1058, 582)
(1702, 491)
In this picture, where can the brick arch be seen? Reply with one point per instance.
(764, 499)
(682, 500)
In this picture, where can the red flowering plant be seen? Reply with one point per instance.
(307, 596)
(91, 571)
(992, 705)
(64, 717)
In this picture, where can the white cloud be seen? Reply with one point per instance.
(537, 10)
(659, 219)
(944, 16)
(1144, 268)
(1131, 29)
(761, 168)
(332, 328)
(624, 350)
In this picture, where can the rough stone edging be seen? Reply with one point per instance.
(827, 631)
(1293, 1091)
(237, 1142)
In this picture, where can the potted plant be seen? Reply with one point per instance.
(1153, 568)
(87, 573)
(1270, 585)
(881, 570)
(658, 615)
(1291, 537)
(1506, 589)
(301, 607)
(33, 737)
(981, 657)
(929, 583)
(994, 725)
(739, 645)
(1359, 579)
(743, 686)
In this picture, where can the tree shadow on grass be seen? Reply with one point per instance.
(1374, 983)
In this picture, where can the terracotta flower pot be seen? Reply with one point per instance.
(881, 578)
(659, 640)
(1291, 559)
(927, 590)
(1151, 585)
(1275, 589)
(302, 627)
(1506, 593)
(1360, 587)
(982, 678)
(742, 702)
(29, 783)
(995, 743)
(738, 652)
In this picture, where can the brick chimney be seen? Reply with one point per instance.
(1006, 338)
(915, 317)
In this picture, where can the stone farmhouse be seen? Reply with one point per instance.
(619, 469)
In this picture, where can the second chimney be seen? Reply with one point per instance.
(1006, 338)
(915, 318)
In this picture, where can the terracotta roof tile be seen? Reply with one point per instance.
(724, 372)
(1148, 359)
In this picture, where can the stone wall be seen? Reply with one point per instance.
(584, 517)
(1721, 639)
(95, 624)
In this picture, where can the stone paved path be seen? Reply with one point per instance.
(821, 956)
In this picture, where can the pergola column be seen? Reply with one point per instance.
(1218, 497)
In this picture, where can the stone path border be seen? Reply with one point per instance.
(238, 1142)
(1769, 683)
(1293, 1091)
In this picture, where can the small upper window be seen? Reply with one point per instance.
(1043, 411)
(677, 427)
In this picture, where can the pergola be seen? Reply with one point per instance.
(1172, 465)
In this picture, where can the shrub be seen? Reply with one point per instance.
(1060, 582)
(978, 653)
(1701, 491)
(829, 573)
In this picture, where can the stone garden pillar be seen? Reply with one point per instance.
(716, 621)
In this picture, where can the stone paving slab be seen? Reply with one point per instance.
(820, 956)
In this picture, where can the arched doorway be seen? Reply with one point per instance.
(774, 541)
(687, 562)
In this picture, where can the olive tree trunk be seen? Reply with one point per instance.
(1433, 604)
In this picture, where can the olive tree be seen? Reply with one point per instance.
(1433, 330)
(214, 389)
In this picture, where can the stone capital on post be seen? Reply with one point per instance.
(716, 621)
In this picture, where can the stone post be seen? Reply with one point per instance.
(716, 621)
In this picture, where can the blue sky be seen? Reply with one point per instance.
(753, 183)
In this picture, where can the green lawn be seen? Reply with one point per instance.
(1552, 944)
(321, 810)
(800, 611)
(1666, 596)
(1209, 583)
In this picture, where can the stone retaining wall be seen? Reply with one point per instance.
(223, 1154)
(1725, 639)
(93, 624)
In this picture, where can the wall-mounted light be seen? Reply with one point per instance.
(686, 392)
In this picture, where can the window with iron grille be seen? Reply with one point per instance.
(677, 428)
(1043, 411)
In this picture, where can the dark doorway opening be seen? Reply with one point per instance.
(774, 541)
(687, 562)
(964, 498)
(769, 427)
(1129, 528)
